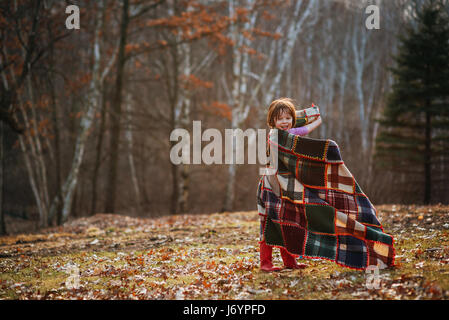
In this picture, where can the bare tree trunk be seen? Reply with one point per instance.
(184, 189)
(116, 112)
(172, 86)
(33, 174)
(309, 67)
(38, 176)
(86, 121)
(236, 100)
(241, 70)
(73, 204)
(2, 157)
(360, 62)
(185, 120)
(42, 171)
(171, 78)
(175, 190)
(2, 163)
(230, 186)
(291, 37)
(180, 100)
(146, 205)
(57, 145)
(342, 86)
(79, 205)
(98, 154)
(72, 179)
(129, 138)
(428, 156)
(372, 150)
(99, 146)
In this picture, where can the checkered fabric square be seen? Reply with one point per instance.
(280, 137)
(315, 196)
(320, 245)
(282, 168)
(352, 252)
(300, 121)
(294, 239)
(273, 205)
(320, 218)
(333, 152)
(319, 209)
(380, 254)
(289, 141)
(277, 137)
(344, 224)
(273, 233)
(339, 177)
(376, 234)
(357, 188)
(287, 163)
(291, 188)
(367, 213)
(294, 213)
(311, 172)
(343, 202)
(309, 147)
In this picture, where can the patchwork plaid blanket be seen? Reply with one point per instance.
(306, 116)
(313, 207)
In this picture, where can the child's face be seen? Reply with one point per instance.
(284, 121)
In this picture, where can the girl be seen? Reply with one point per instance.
(282, 115)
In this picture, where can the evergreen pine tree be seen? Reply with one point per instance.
(414, 129)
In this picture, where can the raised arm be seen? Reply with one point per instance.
(313, 125)
(302, 131)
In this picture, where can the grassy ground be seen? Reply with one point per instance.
(212, 257)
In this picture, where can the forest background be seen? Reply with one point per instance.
(87, 113)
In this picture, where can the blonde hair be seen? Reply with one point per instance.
(277, 107)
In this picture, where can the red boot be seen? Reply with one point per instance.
(266, 259)
(290, 261)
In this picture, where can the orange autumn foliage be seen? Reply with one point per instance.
(131, 47)
(267, 16)
(192, 82)
(219, 108)
(77, 83)
(262, 33)
(248, 50)
(195, 24)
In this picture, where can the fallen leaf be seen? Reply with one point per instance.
(419, 265)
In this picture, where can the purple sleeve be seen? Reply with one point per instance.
(300, 131)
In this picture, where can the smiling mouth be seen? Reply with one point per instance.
(284, 127)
